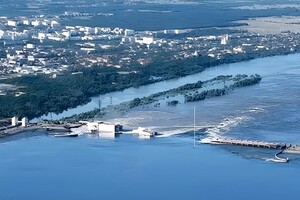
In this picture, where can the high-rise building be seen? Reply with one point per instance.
(129, 32)
(224, 39)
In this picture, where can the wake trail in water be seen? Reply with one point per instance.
(81, 130)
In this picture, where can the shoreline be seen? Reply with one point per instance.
(45, 128)
(191, 92)
(49, 115)
(65, 101)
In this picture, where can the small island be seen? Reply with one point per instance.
(201, 90)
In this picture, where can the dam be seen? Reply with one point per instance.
(282, 147)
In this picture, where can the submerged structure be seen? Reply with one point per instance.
(283, 147)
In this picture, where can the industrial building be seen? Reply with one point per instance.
(24, 122)
(103, 128)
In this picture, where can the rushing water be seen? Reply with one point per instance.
(265, 67)
(42, 167)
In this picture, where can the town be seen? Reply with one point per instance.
(42, 45)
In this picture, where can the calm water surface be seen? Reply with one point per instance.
(127, 168)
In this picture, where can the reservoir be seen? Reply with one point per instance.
(170, 167)
(127, 168)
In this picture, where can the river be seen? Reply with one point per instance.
(43, 167)
(268, 111)
(127, 168)
(265, 67)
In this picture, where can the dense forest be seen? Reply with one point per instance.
(44, 94)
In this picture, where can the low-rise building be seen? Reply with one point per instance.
(12, 23)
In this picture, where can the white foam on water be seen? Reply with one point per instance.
(214, 130)
(256, 109)
(226, 125)
(170, 133)
(80, 130)
(206, 140)
(275, 160)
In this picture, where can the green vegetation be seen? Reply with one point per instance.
(240, 81)
(189, 91)
(205, 94)
(44, 95)
(135, 102)
(172, 103)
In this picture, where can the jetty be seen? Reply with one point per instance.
(282, 147)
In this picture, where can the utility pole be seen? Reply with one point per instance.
(99, 106)
(194, 126)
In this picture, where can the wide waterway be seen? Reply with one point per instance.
(269, 66)
(42, 167)
(127, 168)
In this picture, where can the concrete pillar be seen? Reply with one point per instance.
(24, 121)
(14, 121)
